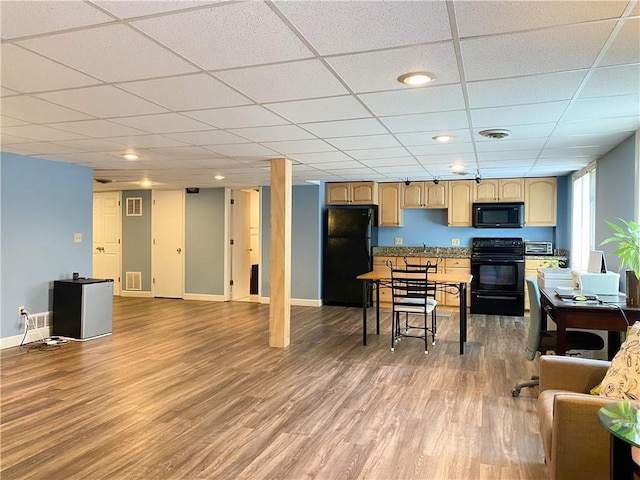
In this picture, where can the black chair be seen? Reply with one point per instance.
(545, 340)
(409, 292)
(431, 286)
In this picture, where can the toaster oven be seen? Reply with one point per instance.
(538, 248)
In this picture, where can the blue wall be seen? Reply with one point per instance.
(42, 205)
(204, 237)
(136, 238)
(306, 241)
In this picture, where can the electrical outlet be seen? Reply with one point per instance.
(77, 237)
(397, 241)
(455, 242)
(20, 309)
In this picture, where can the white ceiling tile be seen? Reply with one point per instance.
(94, 145)
(610, 81)
(376, 71)
(575, 151)
(4, 91)
(441, 148)
(148, 141)
(346, 128)
(364, 142)
(263, 36)
(187, 153)
(21, 18)
(385, 162)
(534, 52)
(216, 162)
(136, 8)
(41, 148)
(173, 163)
(522, 90)
(124, 53)
(209, 137)
(10, 122)
(588, 140)
(426, 138)
(425, 122)
(341, 27)
(27, 72)
(339, 165)
(625, 47)
(282, 82)
(237, 117)
(243, 150)
(299, 146)
(163, 123)
(6, 139)
(509, 155)
(101, 101)
(40, 133)
(503, 117)
(34, 110)
(507, 163)
(187, 92)
(506, 145)
(402, 170)
(321, 157)
(620, 106)
(464, 158)
(482, 18)
(320, 110)
(273, 133)
(97, 128)
(435, 98)
(597, 125)
(366, 154)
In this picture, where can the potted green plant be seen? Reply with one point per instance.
(627, 237)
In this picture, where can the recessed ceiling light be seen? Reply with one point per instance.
(416, 78)
(130, 156)
(219, 177)
(146, 183)
(458, 168)
(443, 138)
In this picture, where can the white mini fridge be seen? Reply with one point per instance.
(82, 308)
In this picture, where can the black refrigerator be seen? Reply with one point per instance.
(350, 234)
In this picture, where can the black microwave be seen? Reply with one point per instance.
(498, 215)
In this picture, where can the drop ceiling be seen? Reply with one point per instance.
(200, 88)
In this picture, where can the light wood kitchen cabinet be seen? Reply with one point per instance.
(389, 211)
(531, 267)
(500, 190)
(540, 202)
(351, 193)
(380, 265)
(425, 195)
(461, 194)
(457, 265)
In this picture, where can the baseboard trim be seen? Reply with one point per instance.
(203, 297)
(33, 335)
(131, 293)
(298, 302)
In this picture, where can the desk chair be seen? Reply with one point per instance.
(409, 292)
(542, 341)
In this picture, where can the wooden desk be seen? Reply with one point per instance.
(588, 315)
(449, 281)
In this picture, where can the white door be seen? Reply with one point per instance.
(106, 237)
(168, 243)
(241, 244)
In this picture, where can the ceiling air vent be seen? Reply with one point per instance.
(103, 180)
(495, 133)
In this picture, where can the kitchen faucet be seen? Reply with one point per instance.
(424, 248)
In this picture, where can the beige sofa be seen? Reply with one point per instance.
(575, 445)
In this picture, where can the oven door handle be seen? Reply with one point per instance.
(493, 260)
(496, 297)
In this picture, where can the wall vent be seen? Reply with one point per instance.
(134, 207)
(133, 281)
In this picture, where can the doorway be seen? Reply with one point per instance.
(168, 244)
(106, 237)
(244, 228)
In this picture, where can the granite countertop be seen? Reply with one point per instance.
(450, 252)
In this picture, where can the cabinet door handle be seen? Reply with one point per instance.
(179, 250)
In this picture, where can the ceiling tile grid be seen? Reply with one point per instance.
(201, 87)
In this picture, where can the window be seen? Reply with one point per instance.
(584, 212)
(134, 207)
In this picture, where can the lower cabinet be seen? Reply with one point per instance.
(457, 265)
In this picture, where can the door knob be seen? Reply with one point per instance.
(179, 250)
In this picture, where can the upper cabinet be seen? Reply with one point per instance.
(389, 211)
(425, 195)
(540, 202)
(461, 194)
(351, 193)
(502, 190)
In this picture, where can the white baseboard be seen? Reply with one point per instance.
(204, 297)
(33, 335)
(298, 302)
(132, 293)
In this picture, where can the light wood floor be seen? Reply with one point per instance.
(190, 390)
